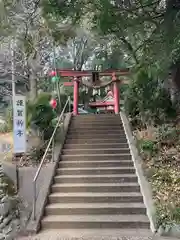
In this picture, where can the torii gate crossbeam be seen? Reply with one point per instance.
(77, 76)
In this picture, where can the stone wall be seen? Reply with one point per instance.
(24, 180)
(144, 185)
(10, 222)
(25, 183)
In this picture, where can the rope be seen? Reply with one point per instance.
(89, 85)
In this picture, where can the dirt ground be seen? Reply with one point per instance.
(7, 138)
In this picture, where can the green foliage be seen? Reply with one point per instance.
(9, 118)
(111, 57)
(42, 114)
(38, 113)
(123, 90)
(43, 99)
(176, 214)
(37, 154)
(168, 134)
(148, 150)
(45, 84)
(147, 100)
(4, 128)
(62, 9)
(148, 146)
(147, 32)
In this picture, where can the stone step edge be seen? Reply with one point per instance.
(95, 194)
(95, 205)
(95, 184)
(97, 176)
(96, 155)
(97, 149)
(96, 218)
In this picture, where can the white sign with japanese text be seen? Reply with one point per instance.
(19, 123)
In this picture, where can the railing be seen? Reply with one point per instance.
(51, 141)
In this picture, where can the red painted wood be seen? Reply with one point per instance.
(101, 104)
(76, 95)
(110, 94)
(116, 98)
(72, 73)
(66, 74)
(68, 84)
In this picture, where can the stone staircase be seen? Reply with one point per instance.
(95, 186)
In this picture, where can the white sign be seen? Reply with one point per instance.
(19, 123)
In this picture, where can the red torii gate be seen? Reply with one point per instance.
(76, 77)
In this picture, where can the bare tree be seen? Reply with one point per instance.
(79, 49)
(33, 38)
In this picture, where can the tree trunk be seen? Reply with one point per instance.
(33, 87)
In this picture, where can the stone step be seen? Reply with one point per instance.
(95, 140)
(95, 146)
(95, 118)
(93, 197)
(97, 151)
(91, 115)
(95, 165)
(95, 157)
(95, 221)
(94, 126)
(96, 136)
(96, 187)
(98, 234)
(95, 131)
(91, 171)
(103, 178)
(120, 158)
(94, 208)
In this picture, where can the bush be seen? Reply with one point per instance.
(42, 114)
(37, 153)
(147, 101)
(148, 145)
(43, 99)
(4, 128)
(9, 118)
(147, 148)
(168, 134)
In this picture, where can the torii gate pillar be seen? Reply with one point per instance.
(76, 94)
(116, 94)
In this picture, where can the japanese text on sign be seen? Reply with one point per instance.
(19, 124)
